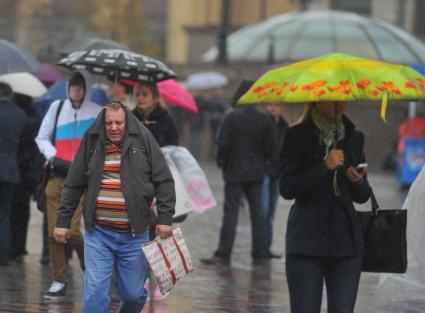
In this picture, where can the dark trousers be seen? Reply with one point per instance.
(306, 275)
(232, 194)
(19, 218)
(270, 198)
(6, 193)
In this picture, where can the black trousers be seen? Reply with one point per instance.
(306, 275)
(19, 218)
(232, 198)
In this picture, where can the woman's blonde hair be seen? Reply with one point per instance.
(308, 107)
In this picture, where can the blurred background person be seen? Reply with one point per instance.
(150, 112)
(271, 181)
(121, 92)
(30, 162)
(12, 122)
(154, 117)
(216, 110)
(244, 145)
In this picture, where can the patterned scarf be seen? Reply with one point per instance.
(326, 127)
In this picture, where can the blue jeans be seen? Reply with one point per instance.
(269, 202)
(104, 251)
(6, 193)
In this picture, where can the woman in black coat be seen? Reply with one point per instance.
(324, 241)
(154, 117)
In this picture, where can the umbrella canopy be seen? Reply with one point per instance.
(206, 80)
(48, 74)
(84, 44)
(14, 58)
(24, 83)
(337, 77)
(174, 93)
(120, 64)
(58, 92)
(298, 36)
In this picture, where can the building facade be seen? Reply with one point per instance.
(193, 24)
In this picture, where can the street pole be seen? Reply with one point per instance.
(222, 32)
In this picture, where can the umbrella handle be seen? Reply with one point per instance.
(336, 124)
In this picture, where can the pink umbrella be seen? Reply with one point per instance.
(48, 74)
(174, 93)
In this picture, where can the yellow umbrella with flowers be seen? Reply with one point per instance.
(337, 77)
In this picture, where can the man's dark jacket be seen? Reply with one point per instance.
(144, 175)
(321, 223)
(245, 142)
(12, 122)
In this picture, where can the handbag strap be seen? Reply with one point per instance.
(374, 203)
(56, 121)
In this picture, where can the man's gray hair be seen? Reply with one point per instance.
(115, 105)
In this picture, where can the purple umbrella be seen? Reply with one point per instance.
(48, 74)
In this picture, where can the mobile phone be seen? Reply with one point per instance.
(361, 166)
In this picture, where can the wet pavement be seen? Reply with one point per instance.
(241, 287)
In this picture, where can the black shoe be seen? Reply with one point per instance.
(45, 260)
(57, 290)
(216, 260)
(4, 262)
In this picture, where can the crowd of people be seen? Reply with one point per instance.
(106, 165)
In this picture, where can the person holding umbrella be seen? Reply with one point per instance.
(324, 241)
(322, 167)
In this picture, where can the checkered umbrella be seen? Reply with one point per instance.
(119, 64)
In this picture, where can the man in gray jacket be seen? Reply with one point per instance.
(120, 168)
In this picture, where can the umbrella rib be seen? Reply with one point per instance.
(295, 38)
(369, 36)
(333, 34)
(406, 45)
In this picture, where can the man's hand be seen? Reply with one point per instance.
(61, 235)
(335, 159)
(164, 231)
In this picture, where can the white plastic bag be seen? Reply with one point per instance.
(192, 176)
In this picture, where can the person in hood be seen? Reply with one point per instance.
(155, 117)
(58, 140)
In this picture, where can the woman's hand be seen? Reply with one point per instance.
(354, 175)
(335, 159)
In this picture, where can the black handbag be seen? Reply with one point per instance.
(385, 239)
(40, 191)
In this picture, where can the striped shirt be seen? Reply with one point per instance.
(111, 210)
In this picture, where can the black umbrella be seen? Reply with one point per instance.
(119, 64)
(14, 59)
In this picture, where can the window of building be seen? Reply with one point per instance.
(358, 6)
